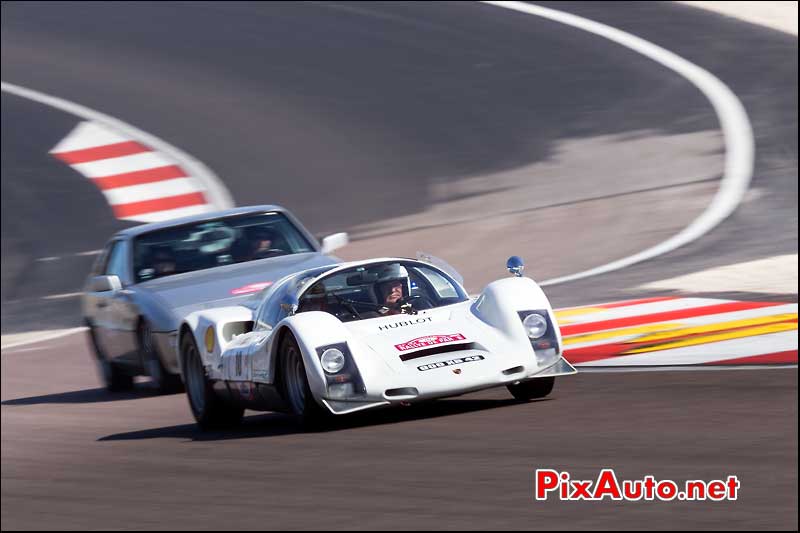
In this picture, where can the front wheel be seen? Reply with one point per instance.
(295, 388)
(163, 381)
(533, 389)
(114, 377)
(208, 409)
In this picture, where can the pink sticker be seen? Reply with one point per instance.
(253, 287)
(429, 340)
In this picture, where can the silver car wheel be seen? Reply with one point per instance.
(195, 380)
(295, 381)
(151, 363)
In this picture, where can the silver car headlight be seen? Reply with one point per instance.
(332, 360)
(535, 325)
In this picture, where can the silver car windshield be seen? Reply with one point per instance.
(213, 243)
(381, 289)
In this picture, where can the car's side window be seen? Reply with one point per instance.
(116, 265)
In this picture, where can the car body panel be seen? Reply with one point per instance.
(444, 351)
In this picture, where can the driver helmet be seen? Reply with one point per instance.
(390, 274)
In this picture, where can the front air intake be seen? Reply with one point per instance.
(404, 392)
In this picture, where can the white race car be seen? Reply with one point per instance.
(342, 338)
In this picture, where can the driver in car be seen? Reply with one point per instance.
(393, 286)
(258, 243)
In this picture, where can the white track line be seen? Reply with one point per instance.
(45, 336)
(736, 129)
(217, 193)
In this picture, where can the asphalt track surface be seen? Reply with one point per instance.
(352, 115)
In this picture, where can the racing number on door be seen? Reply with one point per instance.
(239, 364)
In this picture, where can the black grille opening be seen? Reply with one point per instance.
(515, 370)
(404, 391)
(440, 349)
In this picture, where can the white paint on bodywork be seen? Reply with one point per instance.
(200, 321)
(496, 327)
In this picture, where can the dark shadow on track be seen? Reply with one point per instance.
(276, 425)
(98, 395)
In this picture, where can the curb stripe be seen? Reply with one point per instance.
(707, 353)
(97, 153)
(696, 340)
(576, 329)
(716, 327)
(627, 303)
(112, 130)
(168, 214)
(126, 179)
(121, 165)
(788, 357)
(616, 334)
(159, 204)
(151, 191)
(644, 309)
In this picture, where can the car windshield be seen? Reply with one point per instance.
(213, 243)
(381, 289)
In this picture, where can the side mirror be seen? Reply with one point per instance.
(334, 242)
(105, 284)
(515, 265)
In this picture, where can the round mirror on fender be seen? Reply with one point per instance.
(515, 265)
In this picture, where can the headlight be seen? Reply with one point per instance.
(535, 325)
(332, 360)
(210, 339)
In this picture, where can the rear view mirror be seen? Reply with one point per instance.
(105, 284)
(334, 242)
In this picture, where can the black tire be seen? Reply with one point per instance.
(209, 410)
(114, 377)
(294, 386)
(533, 389)
(161, 379)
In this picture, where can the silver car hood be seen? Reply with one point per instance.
(227, 285)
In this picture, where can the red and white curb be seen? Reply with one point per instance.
(107, 132)
(138, 182)
(672, 331)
